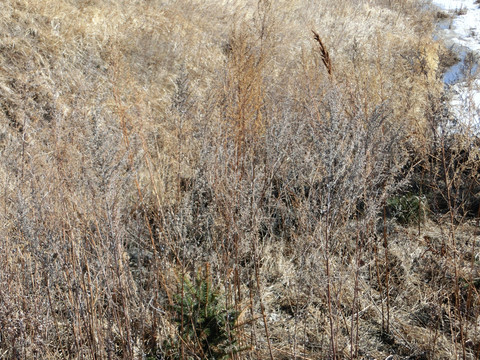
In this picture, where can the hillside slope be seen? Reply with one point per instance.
(231, 179)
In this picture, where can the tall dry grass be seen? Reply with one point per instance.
(143, 142)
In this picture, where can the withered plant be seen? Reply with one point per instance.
(141, 141)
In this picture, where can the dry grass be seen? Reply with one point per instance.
(142, 140)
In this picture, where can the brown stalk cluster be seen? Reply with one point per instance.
(180, 180)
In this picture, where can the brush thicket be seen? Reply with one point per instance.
(142, 141)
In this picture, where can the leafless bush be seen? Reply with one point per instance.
(135, 152)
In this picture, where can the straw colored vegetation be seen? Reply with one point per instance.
(216, 179)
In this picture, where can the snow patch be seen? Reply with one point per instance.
(462, 34)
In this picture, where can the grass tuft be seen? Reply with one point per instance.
(144, 141)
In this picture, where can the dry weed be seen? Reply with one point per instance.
(142, 140)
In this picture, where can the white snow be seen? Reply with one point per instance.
(462, 34)
(455, 4)
(465, 27)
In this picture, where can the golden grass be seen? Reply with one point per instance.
(141, 140)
